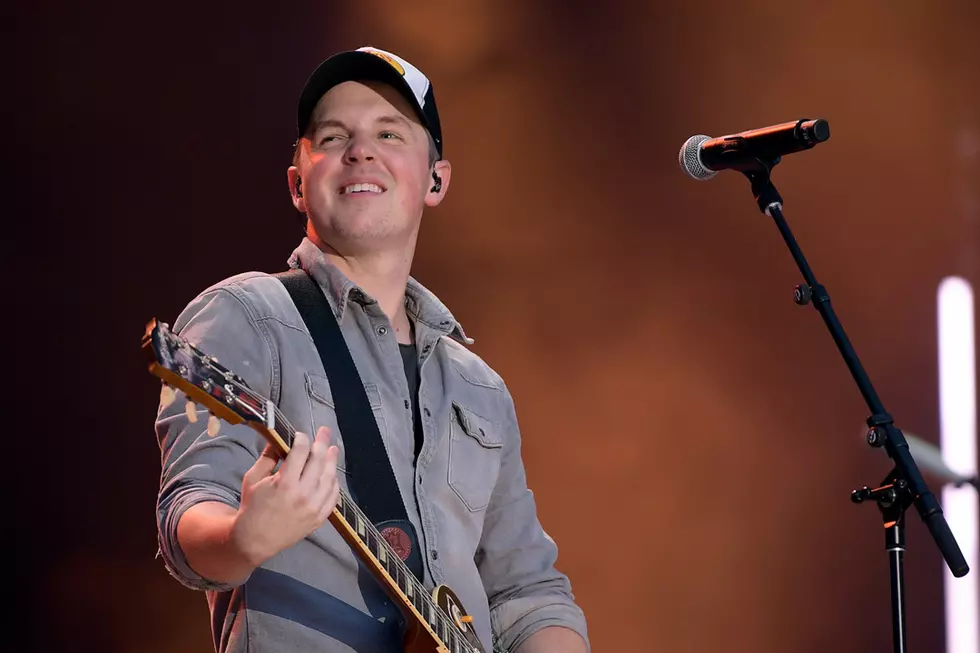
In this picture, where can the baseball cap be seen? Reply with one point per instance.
(371, 63)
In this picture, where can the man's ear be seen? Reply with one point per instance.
(296, 188)
(442, 172)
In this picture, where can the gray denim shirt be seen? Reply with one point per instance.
(467, 497)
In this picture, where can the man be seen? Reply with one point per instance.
(253, 532)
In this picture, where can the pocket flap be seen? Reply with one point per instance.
(485, 431)
(319, 388)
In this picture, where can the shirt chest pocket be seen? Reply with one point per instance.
(475, 447)
(323, 412)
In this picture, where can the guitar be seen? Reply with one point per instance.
(436, 622)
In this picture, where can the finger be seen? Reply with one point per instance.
(316, 463)
(263, 466)
(328, 478)
(333, 453)
(318, 479)
(296, 459)
(334, 495)
(330, 501)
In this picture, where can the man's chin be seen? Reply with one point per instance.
(357, 236)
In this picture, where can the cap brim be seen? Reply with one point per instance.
(346, 67)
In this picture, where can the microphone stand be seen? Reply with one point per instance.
(904, 485)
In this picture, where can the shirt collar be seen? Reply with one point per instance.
(420, 302)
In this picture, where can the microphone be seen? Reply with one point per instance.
(702, 157)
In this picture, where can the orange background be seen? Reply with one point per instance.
(691, 434)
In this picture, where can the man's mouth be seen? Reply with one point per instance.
(352, 189)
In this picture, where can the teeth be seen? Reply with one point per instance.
(360, 188)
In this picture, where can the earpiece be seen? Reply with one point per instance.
(299, 187)
(438, 182)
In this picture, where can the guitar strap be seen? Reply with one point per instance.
(370, 478)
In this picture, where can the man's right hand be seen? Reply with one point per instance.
(280, 508)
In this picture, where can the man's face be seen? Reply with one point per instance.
(366, 174)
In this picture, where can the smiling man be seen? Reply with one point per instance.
(252, 530)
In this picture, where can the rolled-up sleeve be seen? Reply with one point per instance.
(196, 467)
(516, 558)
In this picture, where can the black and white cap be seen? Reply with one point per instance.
(372, 63)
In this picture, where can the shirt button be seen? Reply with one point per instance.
(382, 330)
(427, 413)
(435, 554)
(407, 406)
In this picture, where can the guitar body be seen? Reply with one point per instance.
(435, 622)
(420, 640)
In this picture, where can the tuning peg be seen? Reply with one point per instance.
(191, 411)
(214, 425)
(167, 396)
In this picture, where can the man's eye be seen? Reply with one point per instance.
(389, 135)
(329, 138)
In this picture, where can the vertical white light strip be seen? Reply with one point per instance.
(958, 442)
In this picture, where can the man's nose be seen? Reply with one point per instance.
(359, 149)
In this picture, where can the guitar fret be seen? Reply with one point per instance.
(418, 598)
(446, 632)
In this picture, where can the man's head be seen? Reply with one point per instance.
(369, 154)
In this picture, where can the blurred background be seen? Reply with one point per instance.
(691, 435)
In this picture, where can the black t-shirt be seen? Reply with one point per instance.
(410, 360)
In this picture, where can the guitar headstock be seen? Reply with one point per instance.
(182, 366)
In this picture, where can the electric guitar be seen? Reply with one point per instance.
(436, 622)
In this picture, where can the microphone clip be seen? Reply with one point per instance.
(767, 198)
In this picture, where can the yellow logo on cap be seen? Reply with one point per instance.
(394, 64)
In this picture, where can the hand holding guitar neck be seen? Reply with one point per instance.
(280, 508)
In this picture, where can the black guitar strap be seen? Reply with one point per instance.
(370, 478)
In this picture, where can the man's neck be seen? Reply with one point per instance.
(384, 277)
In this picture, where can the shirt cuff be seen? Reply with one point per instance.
(169, 513)
(516, 620)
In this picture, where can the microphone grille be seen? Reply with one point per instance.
(690, 160)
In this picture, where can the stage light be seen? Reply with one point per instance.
(958, 443)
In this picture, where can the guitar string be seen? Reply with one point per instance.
(419, 590)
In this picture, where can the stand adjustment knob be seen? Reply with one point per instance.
(876, 437)
(802, 294)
